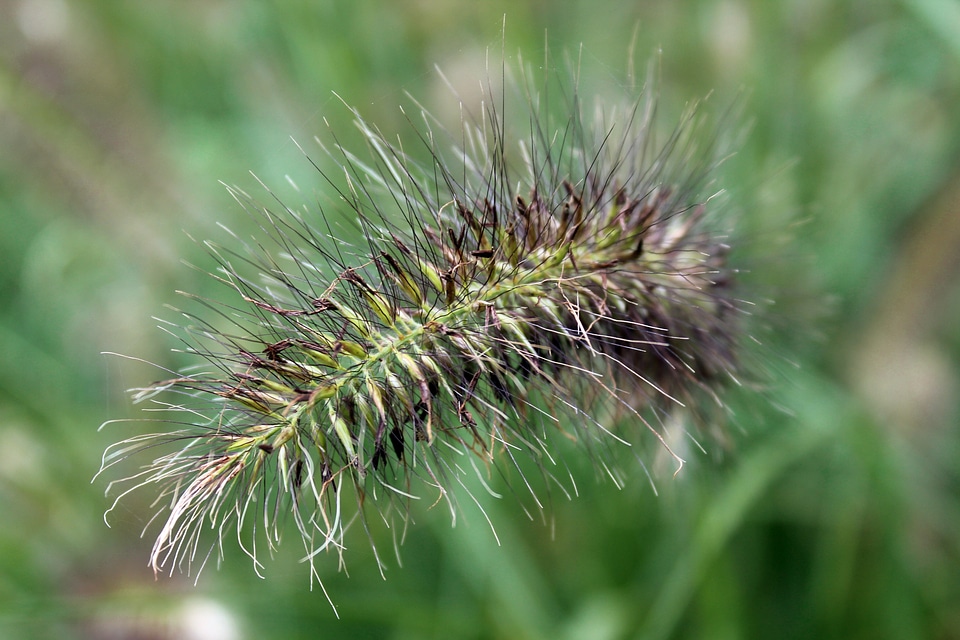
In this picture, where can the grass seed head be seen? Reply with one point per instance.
(571, 281)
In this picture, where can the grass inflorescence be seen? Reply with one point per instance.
(571, 282)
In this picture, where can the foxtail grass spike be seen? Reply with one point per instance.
(503, 293)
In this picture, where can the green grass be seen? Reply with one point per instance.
(835, 518)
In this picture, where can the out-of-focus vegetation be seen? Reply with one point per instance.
(837, 517)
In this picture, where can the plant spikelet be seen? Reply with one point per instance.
(567, 283)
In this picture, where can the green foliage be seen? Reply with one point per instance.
(835, 517)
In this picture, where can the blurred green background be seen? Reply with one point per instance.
(836, 517)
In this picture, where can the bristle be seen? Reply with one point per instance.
(587, 281)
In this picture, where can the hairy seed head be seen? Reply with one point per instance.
(570, 281)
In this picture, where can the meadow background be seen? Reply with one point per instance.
(834, 515)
